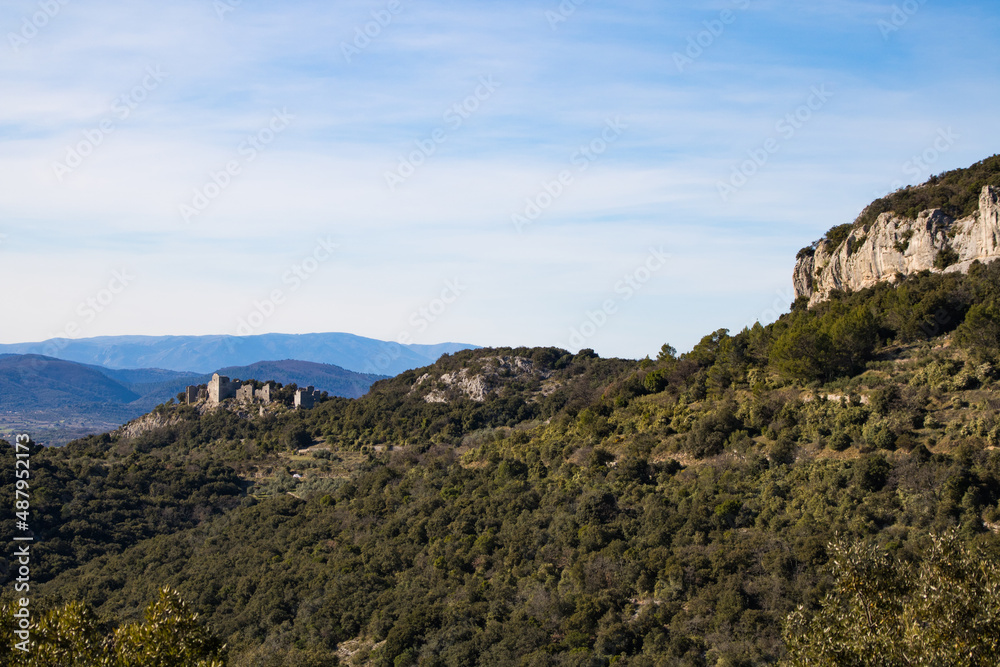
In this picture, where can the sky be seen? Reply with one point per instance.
(584, 174)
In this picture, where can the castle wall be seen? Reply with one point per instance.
(266, 393)
(245, 394)
(220, 388)
(195, 393)
(306, 398)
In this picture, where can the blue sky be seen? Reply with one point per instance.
(516, 173)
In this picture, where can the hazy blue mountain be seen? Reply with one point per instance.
(205, 354)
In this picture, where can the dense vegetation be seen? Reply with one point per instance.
(72, 636)
(943, 608)
(823, 490)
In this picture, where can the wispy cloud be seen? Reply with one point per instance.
(325, 173)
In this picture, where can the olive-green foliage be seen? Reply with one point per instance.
(887, 611)
(72, 636)
(295, 436)
(838, 337)
(518, 554)
(87, 501)
(945, 258)
(980, 331)
(666, 353)
(170, 636)
(709, 434)
(871, 472)
(837, 235)
(942, 374)
(835, 341)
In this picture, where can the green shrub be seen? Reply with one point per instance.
(945, 258)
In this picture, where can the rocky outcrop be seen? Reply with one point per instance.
(478, 382)
(144, 424)
(895, 246)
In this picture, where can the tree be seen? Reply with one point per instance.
(802, 352)
(854, 338)
(945, 258)
(170, 637)
(295, 436)
(72, 636)
(885, 612)
(730, 365)
(705, 351)
(667, 353)
(980, 332)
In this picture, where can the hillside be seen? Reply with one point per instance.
(206, 354)
(29, 380)
(943, 225)
(58, 401)
(533, 505)
(822, 490)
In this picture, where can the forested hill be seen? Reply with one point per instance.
(822, 490)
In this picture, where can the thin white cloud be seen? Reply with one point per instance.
(353, 121)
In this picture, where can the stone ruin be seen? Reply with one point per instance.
(306, 398)
(221, 388)
(193, 394)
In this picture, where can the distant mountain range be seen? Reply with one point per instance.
(206, 354)
(154, 384)
(57, 400)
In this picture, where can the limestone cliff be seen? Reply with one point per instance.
(895, 246)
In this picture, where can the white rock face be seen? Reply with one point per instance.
(143, 424)
(495, 371)
(895, 247)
